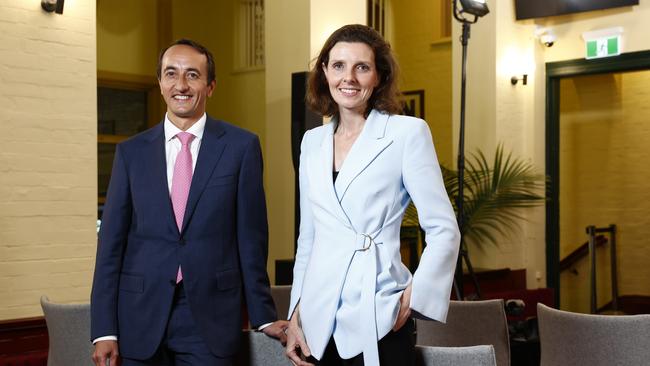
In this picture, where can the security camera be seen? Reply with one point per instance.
(547, 39)
(546, 36)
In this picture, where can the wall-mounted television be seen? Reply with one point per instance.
(526, 9)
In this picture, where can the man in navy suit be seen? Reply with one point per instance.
(171, 272)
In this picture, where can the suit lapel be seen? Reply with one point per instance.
(212, 147)
(370, 143)
(157, 163)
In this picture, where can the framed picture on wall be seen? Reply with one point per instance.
(413, 102)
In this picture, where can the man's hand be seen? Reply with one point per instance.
(106, 350)
(277, 330)
(297, 349)
(405, 308)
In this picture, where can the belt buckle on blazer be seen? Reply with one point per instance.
(366, 238)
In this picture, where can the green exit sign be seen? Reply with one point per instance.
(603, 47)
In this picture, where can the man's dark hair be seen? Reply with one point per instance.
(199, 48)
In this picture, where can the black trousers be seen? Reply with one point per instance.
(396, 348)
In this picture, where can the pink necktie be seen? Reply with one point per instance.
(181, 181)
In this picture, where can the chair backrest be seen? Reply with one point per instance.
(453, 356)
(68, 327)
(469, 323)
(579, 339)
(281, 296)
(257, 349)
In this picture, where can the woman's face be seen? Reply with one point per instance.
(351, 75)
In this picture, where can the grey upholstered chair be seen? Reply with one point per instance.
(454, 356)
(469, 323)
(580, 339)
(281, 296)
(68, 327)
(258, 349)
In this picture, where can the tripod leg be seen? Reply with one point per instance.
(458, 279)
(470, 269)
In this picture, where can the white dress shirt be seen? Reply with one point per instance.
(173, 144)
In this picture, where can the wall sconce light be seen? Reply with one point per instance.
(52, 6)
(523, 78)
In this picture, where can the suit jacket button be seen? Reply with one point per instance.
(172, 282)
(182, 241)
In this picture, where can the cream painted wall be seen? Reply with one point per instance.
(425, 63)
(127, 36)
(515, 115)
(48, 161)
(327, 16)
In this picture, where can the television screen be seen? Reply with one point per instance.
(527, 9)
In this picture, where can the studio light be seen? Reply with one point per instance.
(475, 7)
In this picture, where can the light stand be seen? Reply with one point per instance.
(476, 8)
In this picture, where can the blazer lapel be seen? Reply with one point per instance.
(157, 165)
(370, 143)
(212, 147)
(323, 178)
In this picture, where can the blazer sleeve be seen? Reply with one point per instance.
(113, 233)
(306, 231)
(423, 181)
(252, 236)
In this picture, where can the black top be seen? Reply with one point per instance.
(335, 174)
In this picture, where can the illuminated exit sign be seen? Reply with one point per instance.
(603, 43)
(603, 47)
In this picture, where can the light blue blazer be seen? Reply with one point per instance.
(348, 275)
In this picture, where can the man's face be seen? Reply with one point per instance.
(184, 84)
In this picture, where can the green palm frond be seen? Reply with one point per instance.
(494, 194)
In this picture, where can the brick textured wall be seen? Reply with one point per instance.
(48, 154)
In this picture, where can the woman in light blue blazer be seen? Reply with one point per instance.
(352, 297)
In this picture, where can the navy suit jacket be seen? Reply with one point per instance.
(222, 246)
